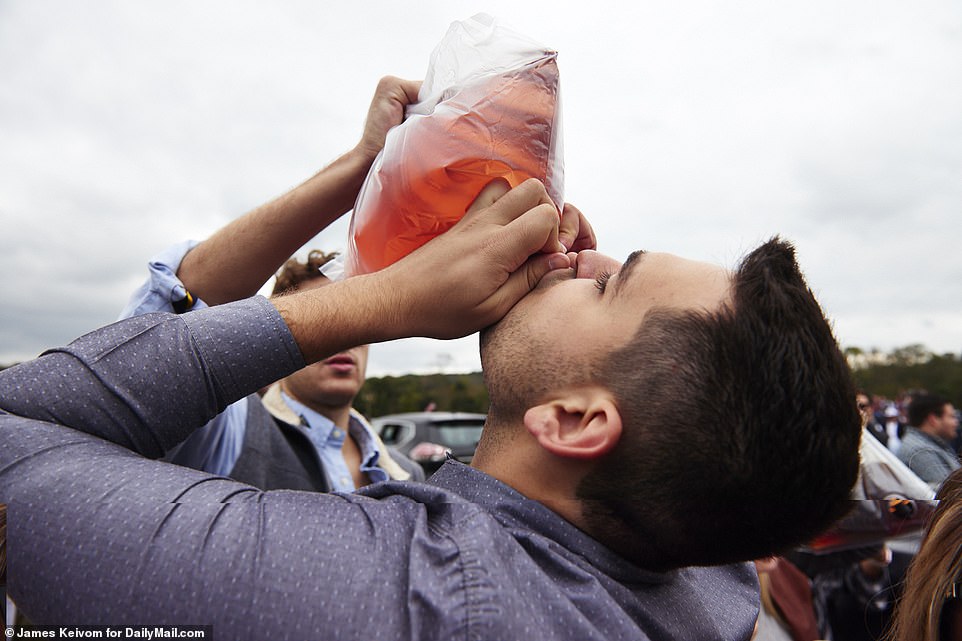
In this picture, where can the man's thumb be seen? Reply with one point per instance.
(526, 277)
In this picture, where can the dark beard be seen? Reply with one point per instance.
(503, 372)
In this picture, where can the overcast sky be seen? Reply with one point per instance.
(697, 128)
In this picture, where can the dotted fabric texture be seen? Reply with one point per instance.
(100, 534)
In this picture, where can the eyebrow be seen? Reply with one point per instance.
(624, 273)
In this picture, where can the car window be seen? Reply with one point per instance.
(459, 434)
(395, 433)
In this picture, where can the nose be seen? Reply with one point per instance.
(591, 263)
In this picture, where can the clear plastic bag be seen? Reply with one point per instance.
(489, 107)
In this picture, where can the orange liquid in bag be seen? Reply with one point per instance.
(434, 166)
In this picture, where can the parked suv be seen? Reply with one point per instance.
(425, 437)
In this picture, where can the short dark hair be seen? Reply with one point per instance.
(740, 438)
(924, 405)
(294, 272)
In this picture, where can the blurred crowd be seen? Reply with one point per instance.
(888, 419)
(868, 592)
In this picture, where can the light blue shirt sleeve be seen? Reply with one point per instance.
(162, 286)
(216, 446)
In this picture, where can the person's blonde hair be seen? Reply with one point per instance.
(936, 571)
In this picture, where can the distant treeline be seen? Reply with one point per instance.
(890, 375)
(415, 393)
(883, 374)
(907, 369)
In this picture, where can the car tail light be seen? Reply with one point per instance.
(424, 452)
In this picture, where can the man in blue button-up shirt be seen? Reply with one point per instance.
(702, 418)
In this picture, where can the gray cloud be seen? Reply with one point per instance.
(691, 129)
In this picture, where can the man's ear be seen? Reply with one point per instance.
(584, 425)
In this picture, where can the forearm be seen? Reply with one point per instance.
(239, 258)
(146, 382)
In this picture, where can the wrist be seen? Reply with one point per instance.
(356, 311)
(363, 156)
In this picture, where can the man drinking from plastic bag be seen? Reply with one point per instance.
(653, 425)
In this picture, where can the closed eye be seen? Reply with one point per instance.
(601, 282)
